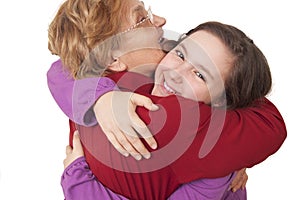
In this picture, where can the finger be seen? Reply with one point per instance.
(68, 150)
(237, 186)
(141, 128)
(65, 162)
(245, 181)
(76, 140)
(138, 145)
(146, 102)
(112, 139)
(241, 183)
(131, 142)
(244, 178)
(118, 139)
(236, 180)
(77, 143)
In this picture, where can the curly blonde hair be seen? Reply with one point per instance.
(79, 26)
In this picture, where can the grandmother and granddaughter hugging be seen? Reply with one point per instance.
(152, 118)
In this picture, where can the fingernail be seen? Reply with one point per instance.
(154, 146)
(76, 132)
(155, 107)
(147, 156)
(138, 157)
(126, 154)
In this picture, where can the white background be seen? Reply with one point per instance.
(34, 131)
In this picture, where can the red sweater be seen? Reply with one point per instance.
(194, 141)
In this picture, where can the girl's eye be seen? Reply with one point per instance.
(179, 54)
(199, 75)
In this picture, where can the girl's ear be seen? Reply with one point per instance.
(117, 66)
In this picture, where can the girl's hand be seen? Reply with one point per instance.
(76, 152)
(115, 113)
(239, 181)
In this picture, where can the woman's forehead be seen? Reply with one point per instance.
(131, 9)
(136, 6)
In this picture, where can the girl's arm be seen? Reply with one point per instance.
(235, 139)
(76, 98)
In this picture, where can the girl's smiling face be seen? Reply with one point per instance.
(195, 69)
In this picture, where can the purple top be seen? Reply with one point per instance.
(76, 98)
(78, 182)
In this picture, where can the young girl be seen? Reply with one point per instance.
(192, 74)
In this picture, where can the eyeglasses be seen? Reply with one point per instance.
(149, 17)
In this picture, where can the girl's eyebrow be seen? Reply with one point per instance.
(198, 65)
(205, 70)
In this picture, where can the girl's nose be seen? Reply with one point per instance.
(175, 76)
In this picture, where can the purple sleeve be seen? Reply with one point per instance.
(78, 182)
(76, 98)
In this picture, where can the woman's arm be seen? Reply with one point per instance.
(78, 182)
(209, 189)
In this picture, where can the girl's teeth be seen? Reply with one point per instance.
(168, 88)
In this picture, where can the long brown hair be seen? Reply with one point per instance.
(250, 77)
(80, 25)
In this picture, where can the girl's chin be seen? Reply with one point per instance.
(160, 91)
(155, 91)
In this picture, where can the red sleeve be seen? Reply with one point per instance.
(198, 141)
(210, 142)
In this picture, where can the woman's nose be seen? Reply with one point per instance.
(158, 21)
